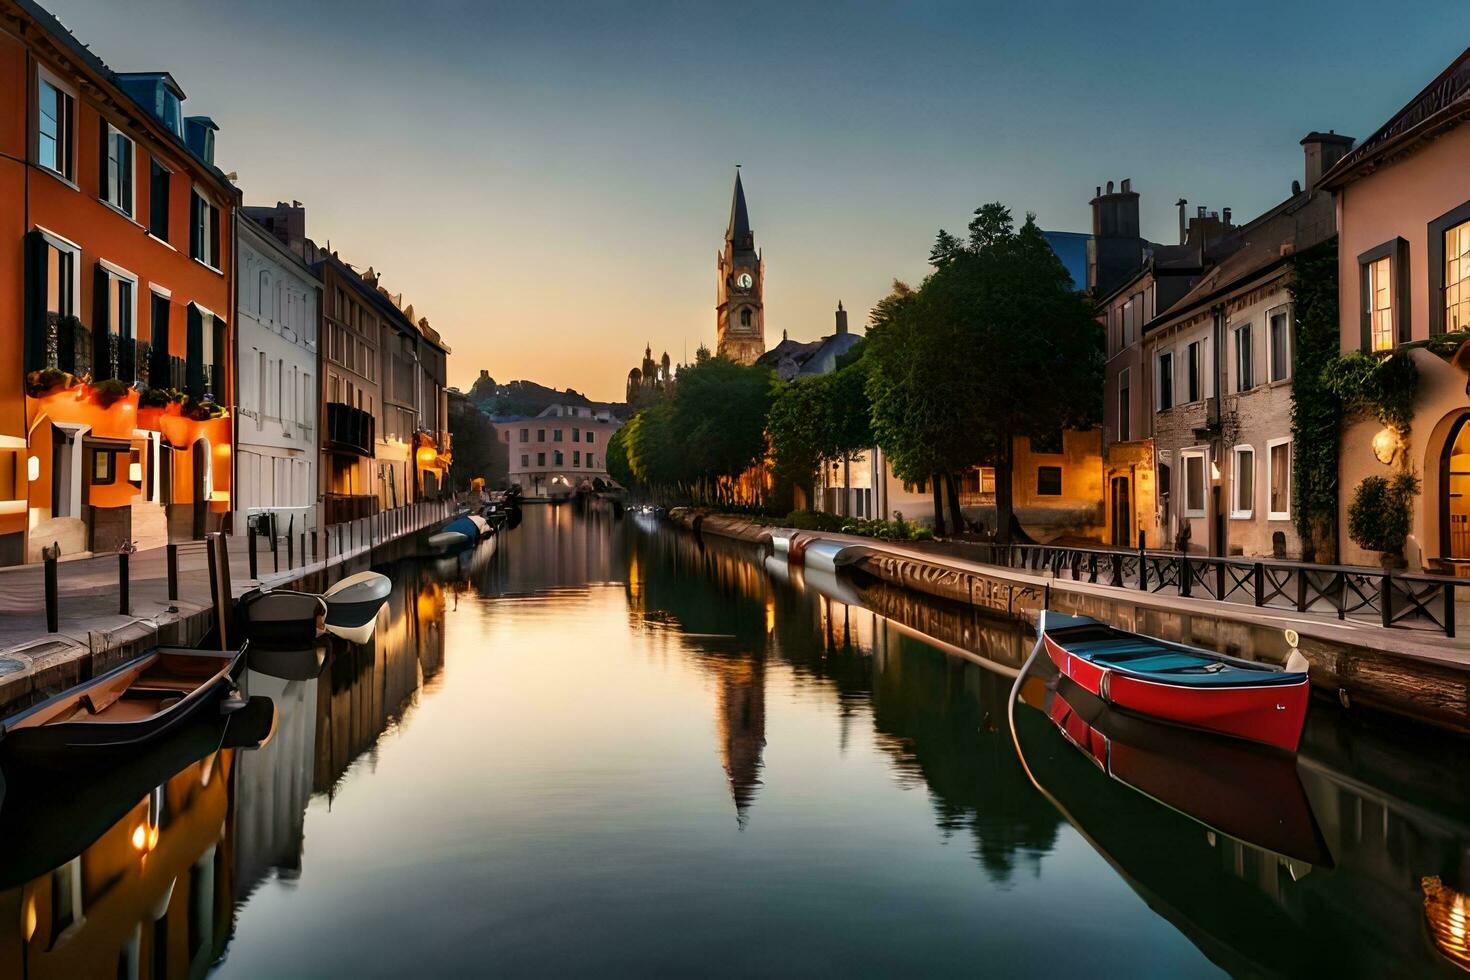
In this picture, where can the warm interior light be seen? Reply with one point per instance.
(135, 472)
(1385, 445)
(1445, 913)
(140, 837)
(33, 468)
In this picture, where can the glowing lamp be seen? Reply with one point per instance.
(33, 469)
(135, 472)
(140, 838)
(1386, 445)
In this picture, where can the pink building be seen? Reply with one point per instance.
(559, 451)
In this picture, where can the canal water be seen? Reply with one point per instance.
(597, 745)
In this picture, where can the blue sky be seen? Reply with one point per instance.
(549, 183)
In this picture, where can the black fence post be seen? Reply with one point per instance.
(1385, 598)
(1301, 590)
(1220, 581)
(250, 547)
(275, 547)
(53, 603)
(123, 606)
(1258, 580)
(1449, 610)
(1186, 587)
(171, 561)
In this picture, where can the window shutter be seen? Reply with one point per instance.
(103, 360)
(221, 337)
(102, 141)
(1401, 287)
(35, 301)
(214, 236)
(195, 205)
(194, 358)
(1365, 306)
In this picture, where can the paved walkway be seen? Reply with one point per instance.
(90, 618)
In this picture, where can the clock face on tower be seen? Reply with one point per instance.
(744, 281)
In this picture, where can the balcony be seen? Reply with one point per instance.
(339, 508)
(349, 430)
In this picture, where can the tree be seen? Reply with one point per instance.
(476, 450)
(616, 457)
(994, 345)
(718, 420)
(798, 426)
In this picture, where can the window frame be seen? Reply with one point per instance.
(154, 199)
(1125, 397)
(68, 175)
(1396, 250)
(105, 178)
(210, 237)
(1285, 311)
(1245, 366)
(1237, 512)
(1047, 493)
(1159, 388)
(1185, 455)
(1196, 365)
(1452, 218)
(1278, 515)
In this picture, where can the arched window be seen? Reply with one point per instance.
(745, 318)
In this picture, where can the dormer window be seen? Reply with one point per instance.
(170, 110)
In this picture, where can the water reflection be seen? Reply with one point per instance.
(533, 766)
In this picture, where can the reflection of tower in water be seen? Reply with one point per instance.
(740, 721)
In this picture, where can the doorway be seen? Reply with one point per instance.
(1122, 512)
(1455, 492)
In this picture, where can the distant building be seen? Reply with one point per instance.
(790, 358)
(651, 381)
(560, 451)
(740, 319)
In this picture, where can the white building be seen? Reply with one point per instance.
(275, 427)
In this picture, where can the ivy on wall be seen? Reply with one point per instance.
(1380, 386)
(1316, 410)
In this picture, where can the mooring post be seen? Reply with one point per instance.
(53, 608)
(171, 561)
(250, 547)
(123, 606)
(275, 546)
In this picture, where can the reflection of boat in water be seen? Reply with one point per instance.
(283, 618)
(48, 818)
(1181, 684)
(1184, 857)
(121, 711)
(1230, 786)
(289, 665)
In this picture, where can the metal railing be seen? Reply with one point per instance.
(1392, 599)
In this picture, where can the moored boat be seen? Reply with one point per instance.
(282, 618)
(356, 599)
(446, 541)
(121, 711)
(1181, 684)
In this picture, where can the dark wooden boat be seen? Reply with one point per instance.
(356, 599)
(120, 712)
(1181, 684)
(282, 618)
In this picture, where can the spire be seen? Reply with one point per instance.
(739, 233)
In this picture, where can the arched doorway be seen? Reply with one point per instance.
(1454, 493)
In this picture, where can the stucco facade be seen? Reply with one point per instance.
(1400, 196)
(558, 452)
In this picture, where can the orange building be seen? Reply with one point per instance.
(115, 238)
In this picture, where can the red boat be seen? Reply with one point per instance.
(1181, 684)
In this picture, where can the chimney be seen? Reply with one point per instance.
(1321, 151)
(841, 319)
(1181, 204)
(1116, 251)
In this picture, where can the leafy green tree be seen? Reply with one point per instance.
(476, 450)
(616, 457)
(719, 420)
(799, 426)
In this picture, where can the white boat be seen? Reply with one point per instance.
(356, 599)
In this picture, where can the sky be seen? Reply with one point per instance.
(550, 182)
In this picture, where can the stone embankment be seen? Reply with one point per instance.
(1409, 673)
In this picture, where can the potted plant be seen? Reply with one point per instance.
(202, 409)
(110, 392)
(154, 404)
(47, 381)
(1380, 514)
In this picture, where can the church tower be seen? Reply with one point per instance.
(740, 320)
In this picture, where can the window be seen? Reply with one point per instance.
(1280, 349)
(1165, 483)
(1449, 271)
(525, 460)
(55, 118)
(1278, 479)
(204, 233)
(117, 169)
(1130, 320)
(556, 435)
(1194, 482)
(1245, 373)
(558, 459)
(1384, 296)
(104, 466)
(158, 184)
(591, 461)
(1166, 380)
(540, 459)
(1195, 353)
(1243, 489)
(1380, 308)
(540, 435)
(1125, 421)
(159, 373)
(745, 318)
(576, 457)
(589, 440)
(576, 435)
(525, 435)
(1048, 481)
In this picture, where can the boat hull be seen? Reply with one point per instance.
(1272, 714)
(355, 601)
